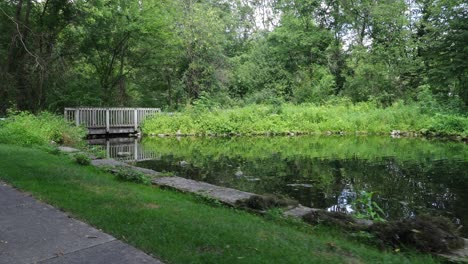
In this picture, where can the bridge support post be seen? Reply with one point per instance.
(135, 118)
(77, 117)
(108, 149)
(135, 150)
(107, 121)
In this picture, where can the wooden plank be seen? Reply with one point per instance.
(77, 117)
(135, 118)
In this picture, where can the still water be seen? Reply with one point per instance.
(408, 176)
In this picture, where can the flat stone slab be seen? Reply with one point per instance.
(223, 194)
(108, 162)
(145, 171)
(116, 163)
(299, 211)
(68, 149)
(34, 232)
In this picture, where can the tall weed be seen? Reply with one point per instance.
(334, 116)
(24, 128)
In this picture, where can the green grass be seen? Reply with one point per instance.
(176, 227)
(308, 118)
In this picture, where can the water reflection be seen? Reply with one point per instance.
(344, 201)
(125, 149)
(408, 176)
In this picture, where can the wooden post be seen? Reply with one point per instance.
(135, 118)
(135, 150)
(107, 120)
(77, 117)
(107, 149)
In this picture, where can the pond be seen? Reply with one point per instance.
(409, 176)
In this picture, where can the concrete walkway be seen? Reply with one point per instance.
(34, 232)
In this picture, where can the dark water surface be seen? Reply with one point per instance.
(409, 176)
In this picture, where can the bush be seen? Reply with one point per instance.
(24, 128)
(448, 125)
(126, 174)
(82, 159)
(337, 115)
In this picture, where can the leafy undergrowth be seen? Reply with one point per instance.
(130, 175)
(26, 129)
(176, 227)
(308, 118)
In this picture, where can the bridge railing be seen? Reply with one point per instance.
(130, 152)
(92, 117)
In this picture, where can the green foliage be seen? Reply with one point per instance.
(130, 175)
(82, 159)
(315, 87)
(443, 124)
(335, 116)
(23, 128)
(367, 208)
(212, 54)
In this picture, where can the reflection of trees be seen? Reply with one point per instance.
(404, 187)
(409, 188)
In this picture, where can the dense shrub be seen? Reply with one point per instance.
(334, 116)
(443, 124)
(23, 128)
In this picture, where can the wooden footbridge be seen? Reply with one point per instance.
(116, 120)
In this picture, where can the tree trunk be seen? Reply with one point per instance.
(23, 94)
(122, 88)
(14, 35)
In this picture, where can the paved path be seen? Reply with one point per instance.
(34, 232)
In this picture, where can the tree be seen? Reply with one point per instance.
(443, 33)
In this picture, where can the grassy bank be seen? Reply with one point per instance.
(334, 117)
(176, 227)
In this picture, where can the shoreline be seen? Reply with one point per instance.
(393, 134)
